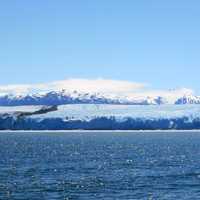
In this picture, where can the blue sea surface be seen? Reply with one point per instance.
(99, 165)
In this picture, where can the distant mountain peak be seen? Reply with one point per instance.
(188, 99)
(63, 96)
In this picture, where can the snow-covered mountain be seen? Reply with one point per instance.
(189, 99)
(93, 91)
(63, 97)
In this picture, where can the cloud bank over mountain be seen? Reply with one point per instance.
(81, 85)
(95, 91)
(105, 86)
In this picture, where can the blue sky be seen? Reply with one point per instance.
(146, 41)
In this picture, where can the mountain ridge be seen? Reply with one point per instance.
(63, 97)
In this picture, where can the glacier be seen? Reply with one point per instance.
(100, 117)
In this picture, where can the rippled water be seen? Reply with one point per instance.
(100, 165)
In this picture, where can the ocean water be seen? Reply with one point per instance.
(100, 165)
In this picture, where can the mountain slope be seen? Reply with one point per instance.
(190, 99)
(63, 97)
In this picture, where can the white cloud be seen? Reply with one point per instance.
(97, 85)
(19, 89)
(82, 85)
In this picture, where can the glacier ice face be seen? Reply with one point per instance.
(101, 116)
(91, 111)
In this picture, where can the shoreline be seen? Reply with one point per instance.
(98, 131)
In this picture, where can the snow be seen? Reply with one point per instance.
(103, 117)
(188, 99)
(120, 112)
(65, 97)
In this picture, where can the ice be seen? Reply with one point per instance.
(91, 111)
